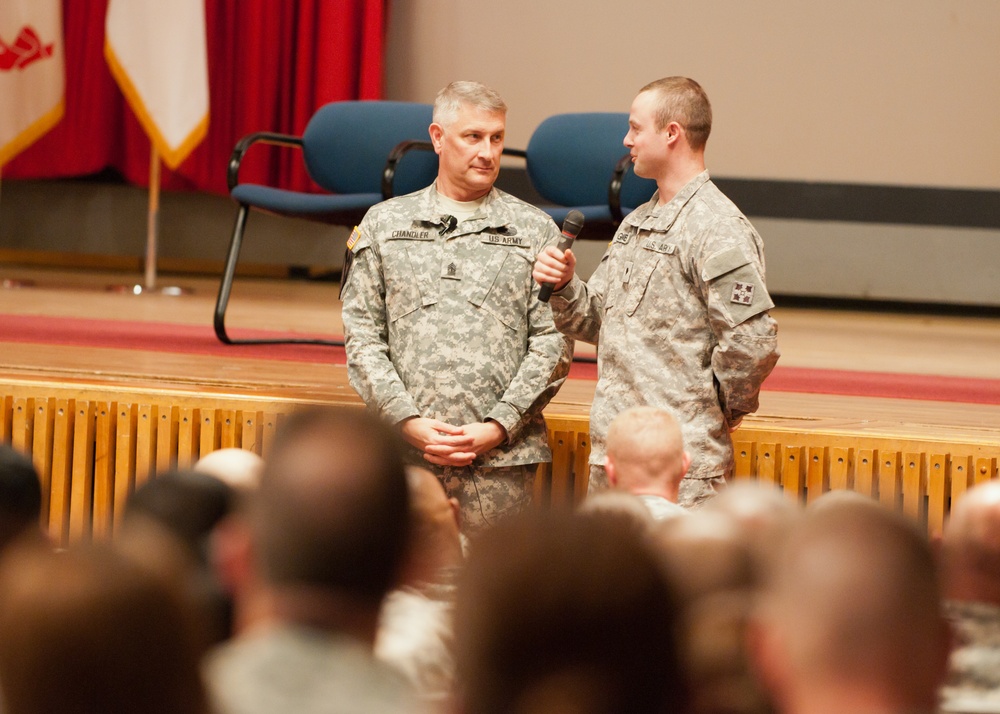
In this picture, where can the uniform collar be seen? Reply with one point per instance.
(494, 213)
(661, 219)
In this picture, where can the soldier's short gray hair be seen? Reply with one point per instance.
(474, 94)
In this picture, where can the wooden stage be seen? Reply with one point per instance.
(99, 420)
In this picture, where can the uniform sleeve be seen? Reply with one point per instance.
(543, 369)
(746, 335)
(369, 369)
(578, 309)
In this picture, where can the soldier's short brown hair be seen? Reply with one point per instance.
(682, 100)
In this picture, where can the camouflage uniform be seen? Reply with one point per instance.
(679, 306)
(443, 321)
(416, 636)
(974, 668)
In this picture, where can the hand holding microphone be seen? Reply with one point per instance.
(570, 230)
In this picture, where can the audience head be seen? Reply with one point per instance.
(645, 452)
(970, 546)
(184, 507)
(558, 612)
(331, 512)
(20, 496)
(435, 542)
(851, 615)
(762, 513)
(89, 630)
(237, 468)
(189, 504)
(618, 504)
(711, 565)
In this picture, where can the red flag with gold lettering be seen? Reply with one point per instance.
(32, 78)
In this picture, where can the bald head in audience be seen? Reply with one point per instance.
(645, 453)
(850, 620)
(238, 468)
(89, 630)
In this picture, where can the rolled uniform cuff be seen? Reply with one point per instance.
(506, 416)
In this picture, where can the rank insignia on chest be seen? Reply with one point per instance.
(627, 273)
(450, 272)
(742, 293)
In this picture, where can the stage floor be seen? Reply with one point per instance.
(897, 344)
(791, 428)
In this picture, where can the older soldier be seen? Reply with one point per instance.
(445, 334)
(678, 303)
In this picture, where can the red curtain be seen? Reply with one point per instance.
(271, 65)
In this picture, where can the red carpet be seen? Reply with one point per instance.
(188, 339)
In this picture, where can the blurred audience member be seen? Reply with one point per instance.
(850, 619)
(970, 559)
(646, 457)
(711, 564)
(562, 613)
(618, 504)
(762, 512)
(321, 543)
(20, 496)
(89, 630)
(187, 506)
(415, 632)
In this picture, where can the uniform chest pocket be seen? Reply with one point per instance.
(635, 282)
(503, 288)
(408, 286)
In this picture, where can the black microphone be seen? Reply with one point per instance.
(570, 230)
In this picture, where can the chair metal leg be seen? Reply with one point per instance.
(226, 287)
(228, 273)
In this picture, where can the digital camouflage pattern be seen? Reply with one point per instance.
(974, 668)
(487, 494)
(443, 320)
(680, 309)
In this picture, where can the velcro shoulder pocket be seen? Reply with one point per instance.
(724, 262)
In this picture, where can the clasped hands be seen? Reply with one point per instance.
(445, 444)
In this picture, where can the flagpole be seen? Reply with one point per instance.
(152, 238)
(152, 218)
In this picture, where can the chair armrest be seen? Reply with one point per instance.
(395, 156)
(615, 188)
(265, 137)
